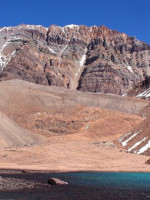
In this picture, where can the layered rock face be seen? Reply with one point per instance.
(94, 59)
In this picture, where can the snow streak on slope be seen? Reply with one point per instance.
(64, 49)
(120, 139)
(51, 50)
(81, 63)
(126, 141)
(130, 69)
(4, 59)
(136, 144)
(145, 94)
(145, 148)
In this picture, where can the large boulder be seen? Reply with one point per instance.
(55, 181)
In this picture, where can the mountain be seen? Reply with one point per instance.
(93, 59)
(68, 95)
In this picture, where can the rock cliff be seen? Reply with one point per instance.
(94, 59)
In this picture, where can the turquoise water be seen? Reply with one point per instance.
(109, 179)
(84, 186)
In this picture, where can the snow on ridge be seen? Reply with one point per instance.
(71, 26)
(2, 29)
(136, 144)
(35, 26)
(145, 148)
(126, 141)
(7, 28)
(31, 27)
(22, 26)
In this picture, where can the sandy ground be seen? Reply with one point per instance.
(73, 154)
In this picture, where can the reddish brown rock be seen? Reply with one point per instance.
(94, 59)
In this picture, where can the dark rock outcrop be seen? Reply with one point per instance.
(148, 162)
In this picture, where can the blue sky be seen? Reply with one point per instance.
(129, 16)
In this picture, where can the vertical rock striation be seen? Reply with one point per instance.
(94, 59)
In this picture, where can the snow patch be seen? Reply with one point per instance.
(143, 149)
(71, 26)
(5, 59)
(125, 94)
(51, 50)
(126, 141)
(11, 28)
(137, 144)
(120, 139)
(3, 29)
(130, 69)
(64, 49)
(91, 29)
(146, 93)
(34, 26)
(81, 62)
(31, 27)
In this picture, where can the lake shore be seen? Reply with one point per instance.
(20, 184)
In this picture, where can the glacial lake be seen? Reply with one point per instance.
(84, 186)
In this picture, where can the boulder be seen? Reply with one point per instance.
(148, 162)
(55, 181)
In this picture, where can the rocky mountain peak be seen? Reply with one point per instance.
(95, 59)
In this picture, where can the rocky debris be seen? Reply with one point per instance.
(94, 59)
(104, 144)
(56, 181)
(24, 171)
(12, 135)
(15, 184)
